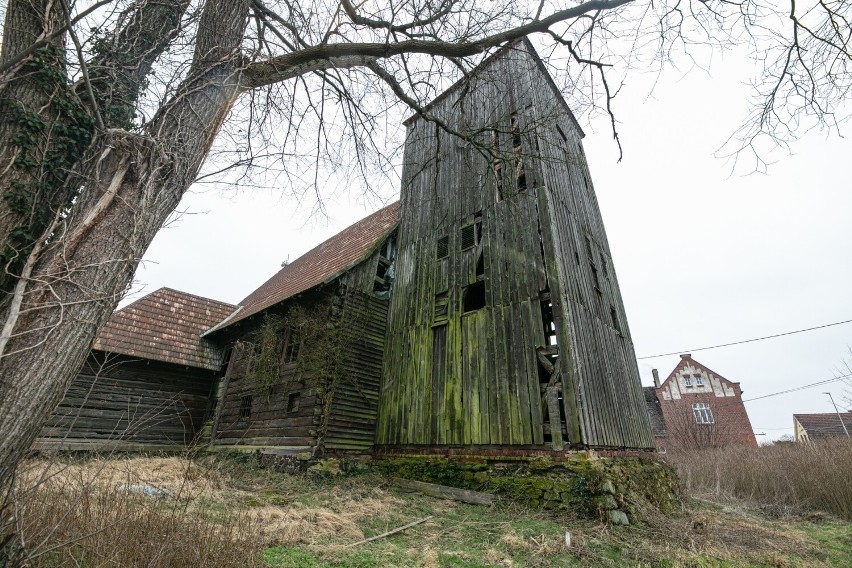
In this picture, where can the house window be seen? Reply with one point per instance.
(702, 412)
(687, 381)
(699, 382)
(245, 406)
(443, 249)
(473, 297)
(293, 402)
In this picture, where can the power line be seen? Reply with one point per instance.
(747, 340)
(803, 387)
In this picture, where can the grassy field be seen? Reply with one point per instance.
(222, 512)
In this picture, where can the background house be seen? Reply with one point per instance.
(697, 408)
(821, 426)
(148, 380)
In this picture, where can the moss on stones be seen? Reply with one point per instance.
(609, 489)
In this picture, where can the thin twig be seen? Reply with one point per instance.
(389, 533)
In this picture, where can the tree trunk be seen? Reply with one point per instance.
(80, 265)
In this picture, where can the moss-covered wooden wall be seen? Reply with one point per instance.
(323, 398)
(504, 267)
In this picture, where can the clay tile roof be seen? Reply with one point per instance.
(165, 326)
(825, 425)
(658, 425)
(321, 264)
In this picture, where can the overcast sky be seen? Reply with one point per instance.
(703, 256)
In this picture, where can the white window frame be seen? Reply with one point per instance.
(702, 413)
(687, 381)
(699, 382)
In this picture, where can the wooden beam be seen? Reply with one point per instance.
(553, 416)
(444, 492)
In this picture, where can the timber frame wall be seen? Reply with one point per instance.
(506, 326)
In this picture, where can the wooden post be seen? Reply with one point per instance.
(555, 421)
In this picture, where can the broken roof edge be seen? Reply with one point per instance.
(487, 61)
(237, 316)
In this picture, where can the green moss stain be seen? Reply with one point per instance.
(591, 488)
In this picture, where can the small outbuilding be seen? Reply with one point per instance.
(148, 380)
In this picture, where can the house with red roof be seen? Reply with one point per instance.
(695, 408)
(813, 427)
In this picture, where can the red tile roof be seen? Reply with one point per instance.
(165, 326)
(825, 425)
(319, 265)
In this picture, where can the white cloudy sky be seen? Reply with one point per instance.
(703, 257)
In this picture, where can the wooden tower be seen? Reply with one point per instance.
(506, 325)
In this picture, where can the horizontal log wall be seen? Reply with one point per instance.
(269, 423)
(472, 378)
(117, 400)
(351, 424)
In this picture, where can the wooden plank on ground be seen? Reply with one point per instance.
(444, 492)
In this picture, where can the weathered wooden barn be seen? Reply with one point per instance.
(482, 311)
(506, 326)
(306, 347)
(148, 380)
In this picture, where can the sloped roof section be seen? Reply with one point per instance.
(320, 264)
(658, 425)
(165, 325)
(825, 425)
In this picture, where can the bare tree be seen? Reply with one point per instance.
(109, 109)
(689, 429)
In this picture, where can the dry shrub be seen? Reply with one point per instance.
(83, 515)
(782, 477)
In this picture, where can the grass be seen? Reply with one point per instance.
(242, 516)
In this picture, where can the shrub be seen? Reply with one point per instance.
(798, 476)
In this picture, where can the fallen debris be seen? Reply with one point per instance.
(444, 492)
(389, 533)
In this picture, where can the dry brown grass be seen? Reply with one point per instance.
(783, 478)
(81, 511)
(83, 515)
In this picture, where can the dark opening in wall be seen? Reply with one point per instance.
(604, 266)
(443, 248)
(293, 400)
(480, 266)
(473, 297)
(548, 321)
(226, 359)
(561, 134)
(521, 176)
(468, 237)
(293, 345)
(245, 406)
(614, 315)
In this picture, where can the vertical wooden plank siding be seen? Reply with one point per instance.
(471, 376)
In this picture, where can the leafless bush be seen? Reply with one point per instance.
(807, 476)
(70, 516)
